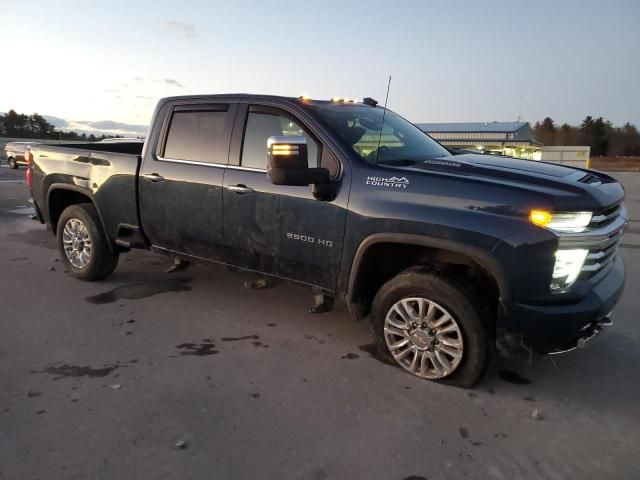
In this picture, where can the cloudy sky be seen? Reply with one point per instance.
(450, 61)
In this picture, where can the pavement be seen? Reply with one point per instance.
(191, 375)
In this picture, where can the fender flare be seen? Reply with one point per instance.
(484, 258)
(84, 191)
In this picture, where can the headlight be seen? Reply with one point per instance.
(575, 222)
(567, 267)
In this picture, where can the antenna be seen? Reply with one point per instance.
(519, 119)
(384, 112)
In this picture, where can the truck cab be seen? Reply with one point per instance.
(207, 160)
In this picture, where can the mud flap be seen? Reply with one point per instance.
(323, 303)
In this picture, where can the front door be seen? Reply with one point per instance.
(275, 229)
(181, 182)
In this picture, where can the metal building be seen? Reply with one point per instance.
(514, 139)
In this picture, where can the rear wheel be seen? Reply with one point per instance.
(431, 326)
(83, 245)
(12, 163)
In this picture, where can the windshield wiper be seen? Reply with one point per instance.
(402, 162)
(406, 162)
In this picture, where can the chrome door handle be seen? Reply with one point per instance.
(154, 177)
(239, 189)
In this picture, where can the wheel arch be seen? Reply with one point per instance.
(479, 256)
(61, 196)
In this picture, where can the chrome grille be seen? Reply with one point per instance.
(605, 217)
(604, 248)
(602, 237)
(602, 254)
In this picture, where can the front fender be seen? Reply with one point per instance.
(483, 257)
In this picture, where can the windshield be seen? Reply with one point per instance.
(359, 127)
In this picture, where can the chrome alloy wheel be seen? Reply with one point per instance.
(423, 338)
(77, 243)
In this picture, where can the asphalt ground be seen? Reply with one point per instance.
(191, 375)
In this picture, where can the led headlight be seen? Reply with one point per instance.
(567, 267)
(574, 222)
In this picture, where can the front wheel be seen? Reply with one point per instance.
(83, 245)
(431, 326)
(12, 163)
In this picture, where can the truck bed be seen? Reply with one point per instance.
(106, 173)
(132, 148)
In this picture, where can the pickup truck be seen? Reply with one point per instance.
(448, 256)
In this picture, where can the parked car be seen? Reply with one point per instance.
(444, 254)
(15, 153)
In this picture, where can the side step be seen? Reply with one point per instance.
(130, 236)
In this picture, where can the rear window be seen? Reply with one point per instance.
(16, 147)
(200, 136)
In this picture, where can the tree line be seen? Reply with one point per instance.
(598, 133)
(19, 125)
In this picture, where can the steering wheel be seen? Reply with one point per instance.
(375, 154)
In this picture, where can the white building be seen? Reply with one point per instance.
(573, 156)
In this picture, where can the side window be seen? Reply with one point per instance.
(263, 123)
(198, 135)
(330, 162)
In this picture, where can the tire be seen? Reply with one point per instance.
(83, 224)
(12, 163)
(464, 333)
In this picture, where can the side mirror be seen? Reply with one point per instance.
(288, 162)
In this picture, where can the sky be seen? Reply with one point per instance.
(86, 63)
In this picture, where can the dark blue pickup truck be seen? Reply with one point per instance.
(447, 255)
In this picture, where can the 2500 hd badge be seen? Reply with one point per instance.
(309, 239)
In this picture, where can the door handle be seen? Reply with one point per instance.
(240, 189)
(154, 177)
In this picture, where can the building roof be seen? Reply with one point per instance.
(472, 127)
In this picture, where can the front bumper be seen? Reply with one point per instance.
(557, 328)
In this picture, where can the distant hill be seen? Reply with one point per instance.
(97, 128)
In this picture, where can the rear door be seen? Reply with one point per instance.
(275, 229)
(181, 181)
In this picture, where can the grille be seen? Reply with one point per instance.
(605, 217)
(603, 247)
(602, 255)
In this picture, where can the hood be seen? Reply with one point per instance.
(585, 187)
(506, 168)
(509, 163)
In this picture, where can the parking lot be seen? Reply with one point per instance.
(192, 375)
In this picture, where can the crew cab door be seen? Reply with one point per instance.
(274, 229)
(181, 180)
